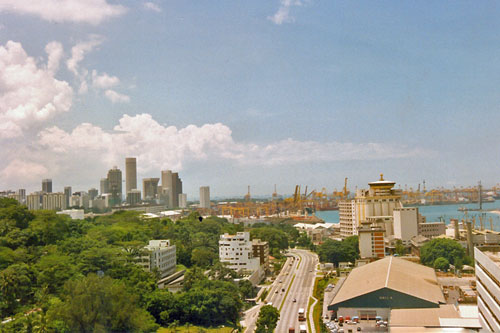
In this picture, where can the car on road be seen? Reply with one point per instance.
(276, 291)
(294, 300)
(310, 270)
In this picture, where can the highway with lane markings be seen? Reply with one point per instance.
(295, 282)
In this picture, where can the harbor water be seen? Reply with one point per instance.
(438, 213)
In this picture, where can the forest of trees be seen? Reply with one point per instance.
(64, 275)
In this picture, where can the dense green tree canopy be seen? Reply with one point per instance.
(446, 248)
(336, 251)
(268, 319)
(81, 275)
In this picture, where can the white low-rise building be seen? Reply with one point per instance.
(160, 255)
(75, 214)
(236, 251)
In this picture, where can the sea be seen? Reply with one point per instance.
(436, 213)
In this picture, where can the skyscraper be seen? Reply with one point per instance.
(171, 186)
(204, 197)
(47, 185)
(93, 193)
(130, 174)
(115, 185)
(104, 186)
(67, 194)
(150, 188)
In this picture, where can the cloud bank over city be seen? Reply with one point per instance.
(286, 92)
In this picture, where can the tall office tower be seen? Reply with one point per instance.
(22, 195)
(93, 193)
(47, 185)
(150, 188)
(67, 194)
(178, 187)
(133, 197)
(182, 200)
(171, 186)
(104, 184)
(130, 174)
(204, 197)
(115, 185)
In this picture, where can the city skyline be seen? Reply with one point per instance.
(257, 94)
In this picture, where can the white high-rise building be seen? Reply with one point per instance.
(405, 223)
(237, 252)
(378, 201)
(205, 197)
(160, 255)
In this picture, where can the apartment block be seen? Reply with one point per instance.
(237, 252)
(159, 255)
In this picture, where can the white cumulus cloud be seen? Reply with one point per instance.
(116, 97)
(152, 6)
(78, 53)
(283, 13)
(29, 92)
(104, 81)
(78, 11)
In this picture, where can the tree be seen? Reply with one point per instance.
(337, 251)
(203, 257)
(268, 319)
(400, 248)
(443, 247)
(442, 264)
(101, 304)
(247, 289)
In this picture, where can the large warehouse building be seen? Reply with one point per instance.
(391, 283)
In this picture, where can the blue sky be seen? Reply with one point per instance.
(237, 93)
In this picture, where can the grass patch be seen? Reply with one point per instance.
(284, 298)
(264, 294)
(195, 329)
(318, 292)
(311, 300)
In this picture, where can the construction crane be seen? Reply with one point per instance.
(346, 192)
(247, 196)
(275, 193)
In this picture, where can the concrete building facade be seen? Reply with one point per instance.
(133, 197)
(204, 197)
(47, 185)
(487, 267)
(371, 241)
(54, 201)
(405, 223)
(182, 200)
(115, 185)
(159, 255)
(150, 188)
(347, 217)
(104, 186)
(260, 250)
(379, 200)
(432, 229)
(34, 201)
(171, 186)
(237, 252)
(130, 174)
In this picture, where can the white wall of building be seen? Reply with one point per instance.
(405, 223)
(236, 251)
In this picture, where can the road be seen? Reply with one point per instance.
(301, 290)
(299, 281)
